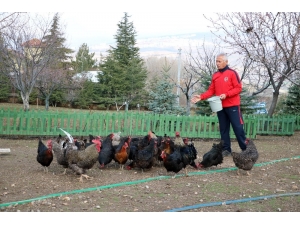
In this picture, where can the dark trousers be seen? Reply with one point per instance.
(231, 115)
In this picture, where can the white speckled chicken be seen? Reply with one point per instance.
(60, 155)
(246, 159)
(178, 139)
(80, 161)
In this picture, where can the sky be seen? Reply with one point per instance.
(162, 26)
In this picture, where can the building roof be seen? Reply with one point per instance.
(33, 43)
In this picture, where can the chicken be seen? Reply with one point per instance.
(79, 144)
(44, 154)
(246, 159)
(80, 161)
(106, 154)
(91, 138)
(60, 155)
(144, 158)
(157, 154)
(116, 139)
(139, 143)
(189, 154)
(178, 140)
(177, 157)
(172, 159)
(122, 151)
(213, 157)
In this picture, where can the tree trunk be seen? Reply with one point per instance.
(274, 103)
(25, 98)
(188, 105)
(47, 103)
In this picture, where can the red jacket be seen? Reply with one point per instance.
(225, 81)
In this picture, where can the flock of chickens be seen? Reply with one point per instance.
(144, 153)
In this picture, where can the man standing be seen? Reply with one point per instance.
(227, 85)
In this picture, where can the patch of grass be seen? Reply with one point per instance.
(221, 188)
(290, 176)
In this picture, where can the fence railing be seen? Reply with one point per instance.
(46, 123)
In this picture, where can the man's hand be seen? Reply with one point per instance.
(222, 96)
(195, 99)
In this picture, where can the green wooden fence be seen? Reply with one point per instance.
(46, 123)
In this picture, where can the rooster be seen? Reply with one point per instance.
(213, 157)
(247, 158)
(106, 154)
(80, 161)
(45, 154)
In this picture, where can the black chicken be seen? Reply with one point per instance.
(172, 158)
(44, 154)
(189, 154)
(213, 157)
(177, 157)
(137, 143)
(106, 154)
(246, 159)
(91, 138)
(144, 158)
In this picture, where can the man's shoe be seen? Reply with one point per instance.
(226, 153)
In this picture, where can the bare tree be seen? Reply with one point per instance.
(23, 54)
(197, 67)
(270, 40)
(9, 19)
(50, 80)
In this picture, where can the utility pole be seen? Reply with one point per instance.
(178, 76)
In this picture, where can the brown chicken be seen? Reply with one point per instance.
(122, 152)
(246, 159)
(80, 161)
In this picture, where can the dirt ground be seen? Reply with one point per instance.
(273, 185)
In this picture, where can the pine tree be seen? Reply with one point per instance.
(5, 86)
(123, 74)
(62, 53)
(84, 60)
(292, 102)
(162, 99)
(203, 106)
(57, 74)
(248, 102)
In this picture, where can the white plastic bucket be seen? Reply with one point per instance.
(215, 103)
